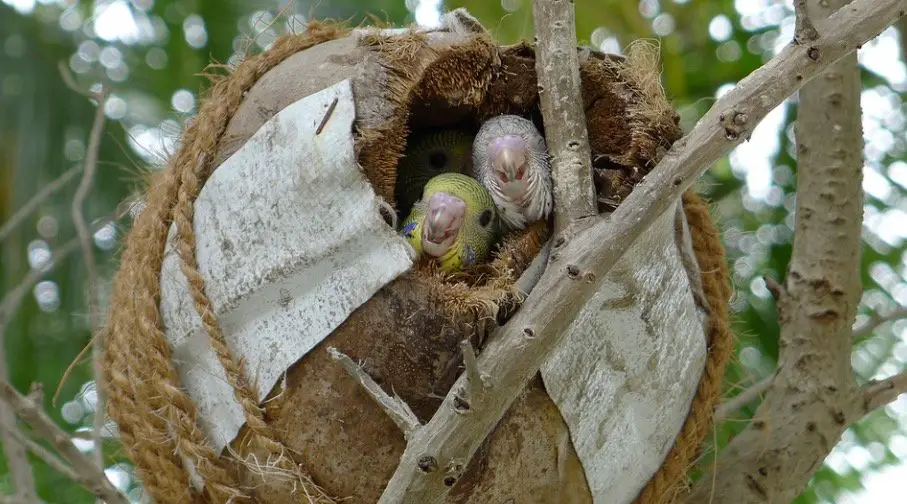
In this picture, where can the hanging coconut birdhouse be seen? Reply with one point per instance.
(273, 235)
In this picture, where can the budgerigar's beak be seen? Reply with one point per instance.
(442, 223)
(510, 159)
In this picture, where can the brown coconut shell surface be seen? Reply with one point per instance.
(407, 335)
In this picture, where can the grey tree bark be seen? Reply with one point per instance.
(813, 397)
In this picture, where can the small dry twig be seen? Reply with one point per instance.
(866, 329)
(89, 475)
(78, 219)
(32, 204)
(396, 408)
(474, 380)
(740, 400)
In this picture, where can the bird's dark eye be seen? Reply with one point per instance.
(437, 160)
(485, 218)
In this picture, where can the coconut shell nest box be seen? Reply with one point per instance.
(265, 241)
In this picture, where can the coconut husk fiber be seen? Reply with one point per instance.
(318, 436)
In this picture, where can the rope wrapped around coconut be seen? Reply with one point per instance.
(318, 435)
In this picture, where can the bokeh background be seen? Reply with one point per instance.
(151, 52)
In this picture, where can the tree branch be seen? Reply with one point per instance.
(90, 476)
(20, 469)
(740, 400)
(866, 329)
(78, 219)
(879, 393)
(557, 66)
(810, 401)
(514, 355)
(804, 31)
(30, 206)
(474, 379)
(44, 454)
(396, 408)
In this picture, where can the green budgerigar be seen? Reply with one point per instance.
(455, 222)
(429, 154)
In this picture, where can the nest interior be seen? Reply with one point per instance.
(439, 80)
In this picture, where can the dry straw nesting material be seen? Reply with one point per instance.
(310, 441)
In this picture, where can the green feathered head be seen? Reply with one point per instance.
(455, 222)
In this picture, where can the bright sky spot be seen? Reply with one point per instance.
(720, 28)
(22, 6)
(428, 13)
(114, 21)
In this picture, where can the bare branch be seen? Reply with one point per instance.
(533, 273)
(740, 400)
(29, 207)
(511, 358)
(812, 398)
(557, 66)
(396, 408)
(20, 469)
(879, 393)
(45, 455)
(804, 31)
(71, 83)
(902, 34)
(474, 379)
(90, 476)
(78, 219)
(866, 329)
(13, 299)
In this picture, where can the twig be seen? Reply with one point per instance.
(866, 329)
(533, 273)
(474, 380)
(878, 393)
(72, 84)
(557, 66)
(49, 458)
(29, 207)
(804, 31)
(515, 354)
(396, 408)
(740, 400)
(20, 468)
(78, 219)
(902, 35)
(91, 476)
(11, 301)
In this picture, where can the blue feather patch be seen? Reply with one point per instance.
(470, 258)
(408, 229)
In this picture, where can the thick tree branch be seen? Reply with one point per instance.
(396, 408)
(514, 355)
(879, 393)
(811, 400)
(32, 204)
(90, 476)
(557, 66)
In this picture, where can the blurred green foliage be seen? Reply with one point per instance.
(155, 78)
